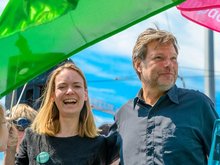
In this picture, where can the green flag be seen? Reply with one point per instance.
(37, 34)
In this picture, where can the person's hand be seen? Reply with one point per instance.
(3, 136)
(13, 136)
(9, 157)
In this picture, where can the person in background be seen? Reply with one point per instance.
(104, 129)
(8, 139)
(21, 116)
(163, 124)
(3, 130)
(64, 130)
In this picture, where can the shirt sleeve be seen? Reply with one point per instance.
(113, 144)
(21, 157)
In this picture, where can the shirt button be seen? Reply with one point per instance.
(150, 151)
(149, 131)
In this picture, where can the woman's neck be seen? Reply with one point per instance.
(68, 127)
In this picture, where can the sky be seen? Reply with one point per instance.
(111, 78)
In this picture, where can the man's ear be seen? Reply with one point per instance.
(138, 66)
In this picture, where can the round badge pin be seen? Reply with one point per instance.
(42, 157)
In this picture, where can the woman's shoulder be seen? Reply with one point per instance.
(96, 141)
(29, 134)
(29, 131)
(99, 138)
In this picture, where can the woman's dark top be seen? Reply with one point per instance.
(73, 150)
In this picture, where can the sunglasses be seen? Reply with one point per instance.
(22, 123)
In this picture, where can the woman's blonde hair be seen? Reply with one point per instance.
(22, 110)
(47, 120)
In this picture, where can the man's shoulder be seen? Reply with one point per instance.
(125, 109)
(194, 94)
(190, 92)
(128, 105)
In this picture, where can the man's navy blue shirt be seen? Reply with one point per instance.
(177, 130)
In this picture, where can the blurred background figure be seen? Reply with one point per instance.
(21, 116)
(104, 129)
(3, 130)
(8, 139)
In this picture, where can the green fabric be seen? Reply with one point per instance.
(37, 34)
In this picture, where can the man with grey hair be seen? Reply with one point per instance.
(164, 124)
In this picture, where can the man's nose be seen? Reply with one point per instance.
(167, 62)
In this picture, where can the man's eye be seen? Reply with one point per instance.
(174, 58)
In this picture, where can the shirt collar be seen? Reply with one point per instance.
(172, 93)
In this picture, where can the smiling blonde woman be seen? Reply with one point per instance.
(64, 130)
